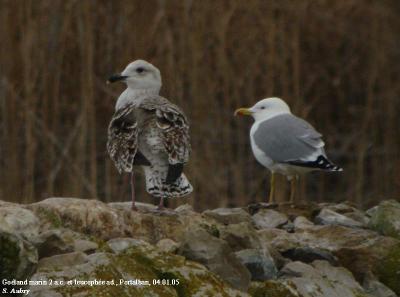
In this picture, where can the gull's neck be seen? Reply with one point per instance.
(134, 96)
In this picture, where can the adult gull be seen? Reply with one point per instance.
(284, 143)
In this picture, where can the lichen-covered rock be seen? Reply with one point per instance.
(388, 268)
(198, 245)
(268, 218)
(301, 222)
(385, 219)
(54, 242)
(375, 288)
(133, 262)
(361, 251)
(87, 239)
(320, 280)
(58, 262)
(18, 257)
(259, 262)
(240, 236)
(81, 215)
(167, 245)
(228, 215)
(16, 219)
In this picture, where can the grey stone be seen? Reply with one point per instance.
(259, 262)
(15, 219)
(375, 288)
(240, 236)
(330, 217)
(386, 219)
(268, 218)
(309, 254)
(228, 215)
(86, 246)
(54, 242)
(118, 245)
(62, 261)
(301, 222)
(18, 257)
(320, 280)
(167, 245)
(198, 245)
(185, 208)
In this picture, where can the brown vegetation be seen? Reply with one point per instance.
(337, 63)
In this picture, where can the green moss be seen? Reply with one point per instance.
(49, 216)
(211, 229)
(9, 256)
(388, 271)
(270, 289)
(181, 289)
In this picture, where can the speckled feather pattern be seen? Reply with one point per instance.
(160, 131)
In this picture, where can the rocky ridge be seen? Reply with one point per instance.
(260, 250)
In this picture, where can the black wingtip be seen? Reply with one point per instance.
(320, 163)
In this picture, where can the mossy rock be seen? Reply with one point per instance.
(18, 258)
(386, 219)
(167, 275)
(388, 272)
(271, 289)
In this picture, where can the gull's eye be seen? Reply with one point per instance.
(262, 107)
(139, 69)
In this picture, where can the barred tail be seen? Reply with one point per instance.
(157, 186)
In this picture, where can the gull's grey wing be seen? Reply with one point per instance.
(286, 138)
(122, 143)
(175, 133)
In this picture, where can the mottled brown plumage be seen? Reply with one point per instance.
(149, 131)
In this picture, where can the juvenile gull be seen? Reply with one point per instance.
(149, 131)
(284, 143)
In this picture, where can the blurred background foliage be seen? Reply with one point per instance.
(336, 63)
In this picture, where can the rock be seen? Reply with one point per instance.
(53, 242)
(142, 207)
(15, 219)
(320, 280)
(330, 217)
(375, 288)
(85, 246)
(61, 261)
(259, 262)
(118, 245)
(228, 215)
(184, 208)
(386, 219)
(18, 257)
(137, 261)
(273, 288)
(359, 250)
(308, 255)
(240, 236)
(387, 269)
(198, 245)
(301, 222)
(81, 215)
(268, 218)
(167, 245)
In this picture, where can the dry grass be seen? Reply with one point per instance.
(337, 63)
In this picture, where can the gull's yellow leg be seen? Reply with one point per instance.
(293, 186)
(272, 188)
